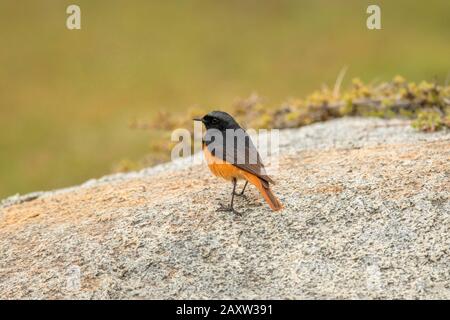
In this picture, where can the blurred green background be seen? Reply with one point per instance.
(67, 97)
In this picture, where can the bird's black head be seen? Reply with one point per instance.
(219, 120)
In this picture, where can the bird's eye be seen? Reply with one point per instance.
(214, 121)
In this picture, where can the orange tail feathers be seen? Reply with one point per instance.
(264, 189)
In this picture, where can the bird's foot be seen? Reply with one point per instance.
(225, 208)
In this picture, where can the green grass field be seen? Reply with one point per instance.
(67, 97)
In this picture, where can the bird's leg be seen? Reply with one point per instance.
(242, 192)
(230, 207)
(232, 195)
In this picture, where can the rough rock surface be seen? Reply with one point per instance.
(367, 215)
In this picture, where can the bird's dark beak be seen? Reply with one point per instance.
(198, 119)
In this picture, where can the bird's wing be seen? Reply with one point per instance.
(242, 153)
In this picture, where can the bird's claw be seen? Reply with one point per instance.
(225, 208)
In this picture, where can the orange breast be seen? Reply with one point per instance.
(222, 168)
(228, 171)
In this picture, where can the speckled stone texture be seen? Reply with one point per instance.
(367, 215)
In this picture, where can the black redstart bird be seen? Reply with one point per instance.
(231, 155)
